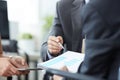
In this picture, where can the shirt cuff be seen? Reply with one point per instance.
(49, 55)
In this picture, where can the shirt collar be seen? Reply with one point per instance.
(86, 1)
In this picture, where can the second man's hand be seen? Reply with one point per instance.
(55, 44)
(61, 45)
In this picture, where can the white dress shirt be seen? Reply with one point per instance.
(86, 1)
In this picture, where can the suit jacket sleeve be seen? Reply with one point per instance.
(56, 30)
(98, 43)
(1, 51)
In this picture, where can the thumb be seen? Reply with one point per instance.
(60, 39)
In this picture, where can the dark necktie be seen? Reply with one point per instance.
(83, 2)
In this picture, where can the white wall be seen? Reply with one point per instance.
(27, 16)
(13, 27)
(48, 7)
(23, 10)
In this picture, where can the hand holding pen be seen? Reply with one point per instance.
(61, 45)
(55, 44)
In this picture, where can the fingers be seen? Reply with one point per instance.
(18, 62)
(56, 77)
(24, 72)
(53, 45)
(14, 70)
(10, 70)
(60, 39)
(53, 41)
(7, 72)
(10, 66)
(54, 52)
(53, 38)
(22, 61)
(64, 68)
(15, 62)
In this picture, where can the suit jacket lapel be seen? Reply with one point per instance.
(76, 25)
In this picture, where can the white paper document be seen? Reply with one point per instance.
(70, 59)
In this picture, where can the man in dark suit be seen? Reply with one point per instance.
(101, 26)
(65, 30)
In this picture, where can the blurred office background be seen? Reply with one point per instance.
(29, 20)
(28, 16)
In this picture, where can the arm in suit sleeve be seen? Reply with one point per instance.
(56, 30)
(98, 48)
(1, 51)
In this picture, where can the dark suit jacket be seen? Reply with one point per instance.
(66, 24)
(101, 26)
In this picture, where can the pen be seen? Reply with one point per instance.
(61, 45)
(28, 69)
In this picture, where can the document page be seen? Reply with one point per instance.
(71, 60)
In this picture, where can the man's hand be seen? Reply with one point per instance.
(53, 44)
(56, 77)
(19, 62)
(6, 68)
(9, 66)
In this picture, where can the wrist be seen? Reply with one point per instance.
(1, 55)
(54, 55)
